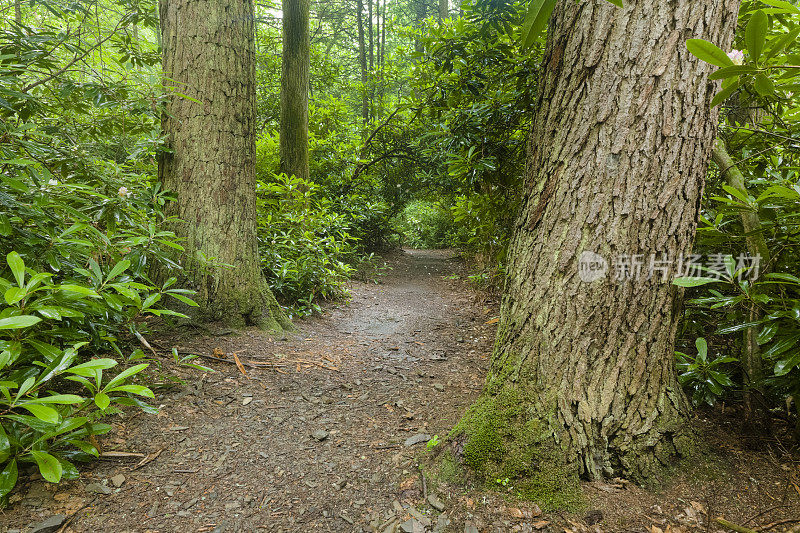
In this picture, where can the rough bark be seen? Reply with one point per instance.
(294, 89)
(209, 57)
(756, 411)
(583, 374)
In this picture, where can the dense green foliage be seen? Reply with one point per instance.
(759, 98)
(81, 226)
(425, 148)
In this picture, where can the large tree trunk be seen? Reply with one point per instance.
(209, 56)
(583, 379)
(294, 89)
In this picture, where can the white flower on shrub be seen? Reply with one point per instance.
(123, 191)
(737, 56)
(53, 182)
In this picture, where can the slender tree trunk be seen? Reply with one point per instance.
(377, 33)
(382, 61)
(444, 9)
(582, 379)
(209, 56)
(18, 11)
(383, 38)
(158, 27)
(371, 39)
(362, 60)
(420, 11)
(756, 411)
(294, 89)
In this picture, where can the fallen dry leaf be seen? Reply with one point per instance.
(240, 366)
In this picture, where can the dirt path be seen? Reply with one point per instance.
(320, 443)
(308, 448)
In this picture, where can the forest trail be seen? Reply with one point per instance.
(320, 441)
(318, 444)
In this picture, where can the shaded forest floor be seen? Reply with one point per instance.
(320, 435)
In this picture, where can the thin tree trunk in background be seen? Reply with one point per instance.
(582, 379)
(371, 39)
(383, 37)
(383, 60)
(18, 11)
(757, 417)
(294, 89)
(210, 166)
(362, 60)
(158, 27)
(419, 15)
(444, 9)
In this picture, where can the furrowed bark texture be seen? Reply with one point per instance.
(209, 56)
(616, 160)
(294, 89)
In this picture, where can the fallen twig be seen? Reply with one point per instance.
(219, 359)
(112, 455)
(767, 527)
(69, 520)
(734, 527)
(424, 484)
(149, 459)
(307, 362)
(762, 513)
(144, 342)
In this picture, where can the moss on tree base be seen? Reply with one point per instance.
(505, 446)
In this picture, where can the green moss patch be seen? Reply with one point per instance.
(504, 444)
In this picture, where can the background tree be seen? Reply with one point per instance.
(294, 89)
(362, 60)
(209, 57)
(583, 378)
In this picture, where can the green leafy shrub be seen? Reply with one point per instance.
(305, 246)
(50, 402)
(706, 378)
(82, 228)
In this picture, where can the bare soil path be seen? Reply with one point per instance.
(327, 438)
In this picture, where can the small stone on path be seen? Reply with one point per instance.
(320, 435)
(435, 502)
(98, 488)
(416, 439)
(49, 525)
